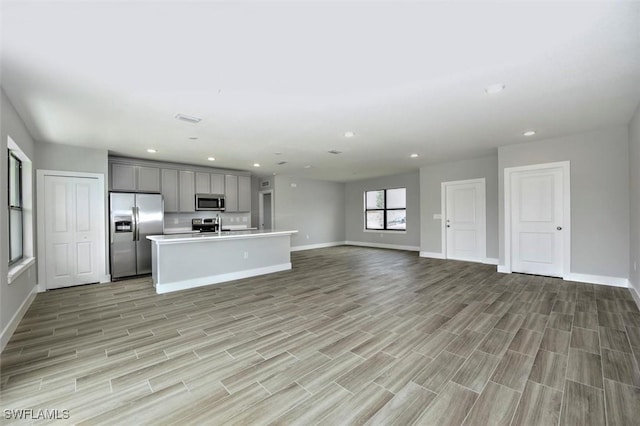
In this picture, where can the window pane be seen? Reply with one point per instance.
(375, 220)
(397, 198)
(14, 181)
(375, 199)
(15, 234)
(397, 219)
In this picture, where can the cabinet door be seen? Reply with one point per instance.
(203, 183)
(123, 177)
(217, 183)
(148, 179)
(170, 189)
(231, 193)
(244, 194)
(187, 191)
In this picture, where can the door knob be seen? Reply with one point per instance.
(559, 228)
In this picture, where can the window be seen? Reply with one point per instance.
(386, 209)
(15, 209)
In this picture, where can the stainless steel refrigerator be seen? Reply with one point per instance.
(133, 216)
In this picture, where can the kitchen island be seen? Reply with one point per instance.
(185, 261)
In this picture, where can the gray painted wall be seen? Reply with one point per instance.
(599, 195)
(12, 295)
(315, 208)
(354, 210)
(431, 178)
(634, 200)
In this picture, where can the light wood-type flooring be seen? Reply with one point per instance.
(351, 335)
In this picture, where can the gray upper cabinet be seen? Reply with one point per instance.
(217, 183)
(203, 183)
(148, 179)
(244, 194)
(231, 193)
(187, 191)
(170, 189)
(128, 177)
(123, 177)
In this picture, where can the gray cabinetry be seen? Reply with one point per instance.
(231, 193)
(203, 183)
(128, 177)
(170, 189)
(217, 183)
(187, 191)
(244, 194)
(148, 179)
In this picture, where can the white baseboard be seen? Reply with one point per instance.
(382, 245)
(105, 278)
(503, 269)
(598, 279)
(432, 255)
(317, 246)
(490, 261)
(17, 317)
(635, 295)
(217, 279)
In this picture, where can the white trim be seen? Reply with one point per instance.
(482, 208)
(384, 231)
(217, 279)
(636, 296)
(17, 317)
(101, 255)
(597, 279)
(490, 261)
(432, 255)
(503, 269)
(566, 226)
(19, 268)
(317, 246)
(380, 245)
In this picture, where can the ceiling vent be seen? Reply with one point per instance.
(281, 163)
(188, 118)
(333, 151)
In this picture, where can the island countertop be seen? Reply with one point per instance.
(212, 236)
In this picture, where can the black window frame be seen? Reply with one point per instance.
(14, 207)
(384, 210)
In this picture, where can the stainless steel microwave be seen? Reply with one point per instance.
(210, 202)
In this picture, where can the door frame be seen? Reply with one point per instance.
(443, 214)
(261, 195)
(102, 241)
(566, 226)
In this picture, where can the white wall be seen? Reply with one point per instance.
(599, 195)
(14, 295)
(634, 201)
(431, 178)
(315, 208)
(354, 211)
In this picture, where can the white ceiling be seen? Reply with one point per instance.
(293, 77)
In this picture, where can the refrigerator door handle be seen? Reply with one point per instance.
(135, 223)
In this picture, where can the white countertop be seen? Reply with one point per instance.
(211, 236)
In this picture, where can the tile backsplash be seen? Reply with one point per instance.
(183, 220)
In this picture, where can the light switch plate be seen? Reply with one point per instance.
(437, 216)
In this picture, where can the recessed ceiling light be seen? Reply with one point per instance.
(529, 133)
(349, 134)
(495, 88)
(189, 118)
(414, 155)
(211, 158)
(307, 166)
(256, 164)
(151, 151)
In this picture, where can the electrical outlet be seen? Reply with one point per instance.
(246, 254)
(293, 185)
(307, 236)
(381, 235)
(175, 221)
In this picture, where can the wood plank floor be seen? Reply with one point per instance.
(351, 335)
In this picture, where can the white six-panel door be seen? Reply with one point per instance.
(72, 231)
(537, 221)
(464, 220)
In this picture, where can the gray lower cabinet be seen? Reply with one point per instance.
(148, 179)
(231, 193)
(170, 190)
(187, 191)
(244, 194)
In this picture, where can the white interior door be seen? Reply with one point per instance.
(72, 231)
(537, 220)
(465, 224)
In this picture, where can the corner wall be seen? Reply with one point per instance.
(599, 196)
(634, 203)
(354, 212)
(315, 208)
